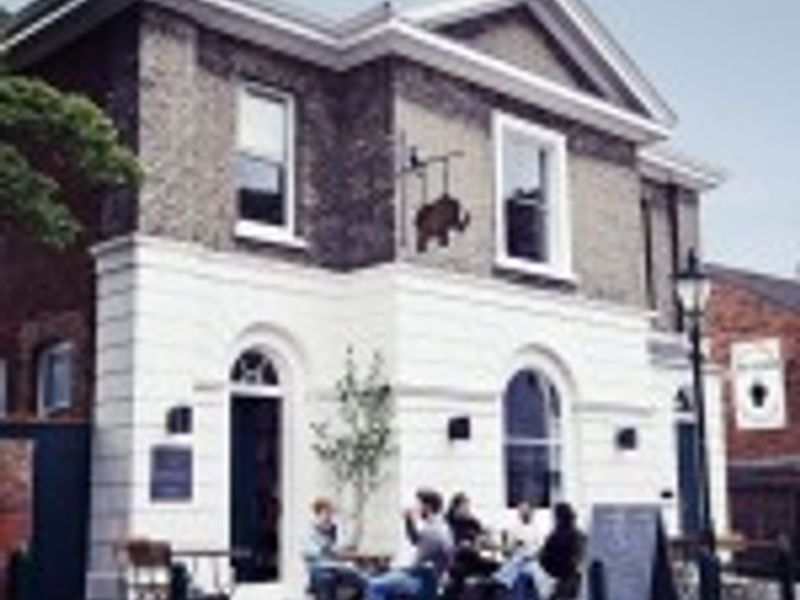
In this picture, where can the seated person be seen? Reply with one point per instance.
(519, 574)
(522, 537)
(468, 536)
(327, 572)
(428, 532)
(562, 554)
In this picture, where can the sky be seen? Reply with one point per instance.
(728, 68)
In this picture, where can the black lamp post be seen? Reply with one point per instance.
(693, 290)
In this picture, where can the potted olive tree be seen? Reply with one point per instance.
(355, 446)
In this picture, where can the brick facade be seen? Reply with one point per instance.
(738, 313)
(16, 500)
(517, 36)
(170, 85)
(48, 296)
(442, 114)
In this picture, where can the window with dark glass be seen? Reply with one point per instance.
(532, 423)
(54, 377)
(526, 196)
(263, 158)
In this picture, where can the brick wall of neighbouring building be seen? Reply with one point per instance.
(47, 296)
(16, 500)
(746, 306)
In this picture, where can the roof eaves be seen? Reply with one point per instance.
(381, 32)
(668, 166)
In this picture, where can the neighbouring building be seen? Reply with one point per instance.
(754, 331)
(473, 189)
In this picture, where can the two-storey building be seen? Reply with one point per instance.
(471, 189)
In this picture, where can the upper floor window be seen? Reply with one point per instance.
(532, 212)
(532, 423)
(4, 401)
(54, 377)
(264, 165)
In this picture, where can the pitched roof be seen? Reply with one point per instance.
(579, 30)
(383, 30)
(779, 291)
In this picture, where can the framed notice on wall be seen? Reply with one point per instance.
(759, 385)
(171, 474)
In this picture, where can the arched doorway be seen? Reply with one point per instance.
(256, 474)
(532, 443)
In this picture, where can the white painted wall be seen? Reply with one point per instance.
(172, 318)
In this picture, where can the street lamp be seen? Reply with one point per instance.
(693, 289)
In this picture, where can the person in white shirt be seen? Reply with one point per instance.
(523, 537)
(522, 541)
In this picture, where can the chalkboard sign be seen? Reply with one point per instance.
(171, 474)
(630, 543)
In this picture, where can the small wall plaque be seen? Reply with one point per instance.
(179, 420)
(459, 429)
(171, 474)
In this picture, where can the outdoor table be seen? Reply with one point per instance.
(371, 563)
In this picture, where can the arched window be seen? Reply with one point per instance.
(54, 372)
(254, 371)
(532, 424)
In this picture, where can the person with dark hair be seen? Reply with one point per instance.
(431, 537)
(562, 553)
(468, 535)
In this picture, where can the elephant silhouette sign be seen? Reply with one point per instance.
(437, 220)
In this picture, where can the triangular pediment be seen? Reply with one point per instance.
(515, 35)
(560, 40)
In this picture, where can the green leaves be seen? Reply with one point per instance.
(49, 138)
(356, 445)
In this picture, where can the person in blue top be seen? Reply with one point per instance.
(327, 571)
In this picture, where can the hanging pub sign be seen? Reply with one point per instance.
(759, 387)
(171, 474)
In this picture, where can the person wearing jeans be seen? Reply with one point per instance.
(428, 532)
(327, 572)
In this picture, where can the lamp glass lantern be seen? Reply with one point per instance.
(693, 287)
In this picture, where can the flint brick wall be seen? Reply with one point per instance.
(737, 314)
(441, 114)
(344, 158)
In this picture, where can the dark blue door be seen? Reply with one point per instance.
(688, 483)
(60, 506)
(255, 488)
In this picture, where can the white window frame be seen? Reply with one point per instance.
(4, 391)
(554, 441)
(285, 234)
(559, 227)
(58, 348)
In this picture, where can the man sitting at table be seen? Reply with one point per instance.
(428, 532)
(327, 571)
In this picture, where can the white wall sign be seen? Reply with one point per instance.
(758, 384)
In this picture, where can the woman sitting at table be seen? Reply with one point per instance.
(468, 537)
(327, 571)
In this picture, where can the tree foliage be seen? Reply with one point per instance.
(356, 446)
(49, 140)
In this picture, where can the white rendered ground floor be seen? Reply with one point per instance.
(174, 319)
